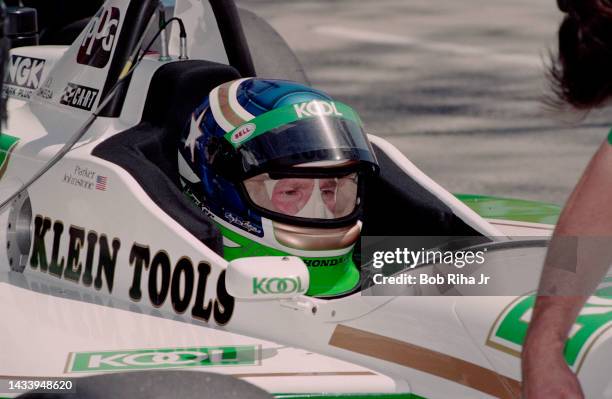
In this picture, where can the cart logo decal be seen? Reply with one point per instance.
(146, 359)
(594, 320)
(7, 145)
(99, 39)
(23, 76)
(77, 96)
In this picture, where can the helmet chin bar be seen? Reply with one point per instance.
(316, 238)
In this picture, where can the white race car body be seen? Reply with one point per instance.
(96, 276)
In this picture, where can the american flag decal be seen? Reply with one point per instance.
(101, 182)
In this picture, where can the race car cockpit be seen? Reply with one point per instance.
(148, 152)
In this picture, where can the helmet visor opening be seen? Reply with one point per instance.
(320, 198)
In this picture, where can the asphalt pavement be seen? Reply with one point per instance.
(457, 86)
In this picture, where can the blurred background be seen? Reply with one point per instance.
(457, 86)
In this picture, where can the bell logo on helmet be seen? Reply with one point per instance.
(243, 132)
(316, 108)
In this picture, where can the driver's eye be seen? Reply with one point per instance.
(290, 192)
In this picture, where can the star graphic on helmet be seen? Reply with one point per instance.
(194, 133)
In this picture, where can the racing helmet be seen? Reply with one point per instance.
(280, 168)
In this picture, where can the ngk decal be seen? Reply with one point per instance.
(23, 76)
(100, 37)
(25, 71)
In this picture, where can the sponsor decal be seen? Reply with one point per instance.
(316, 108)
(23, 76)
(91, 259)
(100, 38)
(277, 285)
(165, 358)
(45, 91)
(148, 359)
(7, 145)
(77, 96)
(509, 331)
(323, 262)
(286, 115)
(243, 133)
(246, 225)
(85, 178)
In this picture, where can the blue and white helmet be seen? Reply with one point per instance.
(280, 169)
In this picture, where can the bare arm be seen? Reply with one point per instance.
(578, 258)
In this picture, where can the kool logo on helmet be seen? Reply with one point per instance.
(243, 132)
(316, 108)
(99, 39)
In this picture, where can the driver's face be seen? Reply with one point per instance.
(328, 189)
(290, 195)
(314, 197)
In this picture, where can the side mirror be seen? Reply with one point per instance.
(267, 277)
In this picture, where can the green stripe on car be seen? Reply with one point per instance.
(7, 144)
(511, 209)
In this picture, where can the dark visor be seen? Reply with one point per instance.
(305, 141)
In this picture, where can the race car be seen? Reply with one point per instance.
(109, 268)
